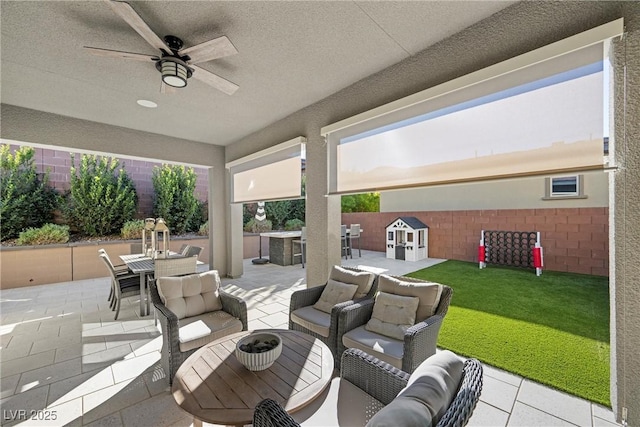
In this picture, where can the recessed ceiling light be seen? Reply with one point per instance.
(146, 103)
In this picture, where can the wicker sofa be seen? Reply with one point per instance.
(193, 310)
(443, 391)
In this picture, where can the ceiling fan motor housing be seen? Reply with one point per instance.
(174, 70)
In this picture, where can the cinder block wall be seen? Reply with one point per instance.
(575, 240)
(58, 163)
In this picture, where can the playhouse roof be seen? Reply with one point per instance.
(411, 221)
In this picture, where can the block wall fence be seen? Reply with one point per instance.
(575, 240)
(58, 163)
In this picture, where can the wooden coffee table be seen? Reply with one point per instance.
(214, 387)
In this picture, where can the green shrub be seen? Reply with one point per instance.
(174, 198)
(201, 216)
(278, 212)
(46, 235)
(26, 199)
(204, 229)
(132, 229)
(368, 202)
(102, 196)
(294, 224)
(254, 226)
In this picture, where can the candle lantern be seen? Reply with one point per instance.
(161, 234)
(147, 232)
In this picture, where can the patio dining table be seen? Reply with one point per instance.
(142, 265)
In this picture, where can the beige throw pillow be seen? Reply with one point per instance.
(334, 293)
(428, 292)
(191, 295)
(392, 315)
(364, 279)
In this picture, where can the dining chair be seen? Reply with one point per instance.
(122, 284)
(119, 269)
(354, 234)
(192, 251)
(170, 267)
(344, 241)
(302, 242)
(183, 249)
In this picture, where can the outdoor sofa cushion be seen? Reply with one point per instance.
(428, 394)
(392, 315)
(196, 331)
(335, 292)
(364, 279)
(188, 296)
(315, 320)
(428, 293)
(384, 348)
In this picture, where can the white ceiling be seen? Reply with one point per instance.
(291, 54)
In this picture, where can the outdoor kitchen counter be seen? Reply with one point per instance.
(280, 245)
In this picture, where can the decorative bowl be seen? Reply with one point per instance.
(259, 350)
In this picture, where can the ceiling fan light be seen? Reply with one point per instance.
(174, 74)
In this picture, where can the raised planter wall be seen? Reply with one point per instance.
(39, 265)
(574, 240)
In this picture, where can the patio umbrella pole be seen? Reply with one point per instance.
(260, 260)
(260, 216)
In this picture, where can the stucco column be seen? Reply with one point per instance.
(235, 244)
(624, 254)
(322, 214)
(218, 217)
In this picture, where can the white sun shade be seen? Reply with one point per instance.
(271, 174)
(504, 121)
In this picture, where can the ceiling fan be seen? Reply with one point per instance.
(174, 63)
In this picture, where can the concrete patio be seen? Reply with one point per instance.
(64, 357)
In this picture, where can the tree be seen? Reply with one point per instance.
(26, 199)
(102, 196)
(174, 196)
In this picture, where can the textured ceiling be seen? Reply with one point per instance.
(291, 55)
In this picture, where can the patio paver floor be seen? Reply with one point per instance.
(63, 355)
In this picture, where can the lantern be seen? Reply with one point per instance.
(161, 234)
(149, 224)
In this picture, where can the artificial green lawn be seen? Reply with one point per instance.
(553, 329)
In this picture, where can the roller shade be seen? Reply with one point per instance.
(542, 112)
(272, 174)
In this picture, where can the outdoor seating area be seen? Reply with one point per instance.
(64, 354)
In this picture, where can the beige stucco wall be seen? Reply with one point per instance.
(32, 265)
(517, 193)
(625, 220)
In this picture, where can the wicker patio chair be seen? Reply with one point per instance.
(384, 382)
(172, 356)
(303, 317)
(419, 340)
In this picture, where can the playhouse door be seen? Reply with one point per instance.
(400, 252)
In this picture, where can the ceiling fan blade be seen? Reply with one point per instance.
(213, 49)
(98, 51)
(214, 80)
(130, 16)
